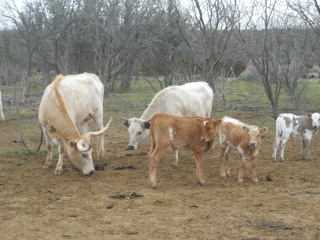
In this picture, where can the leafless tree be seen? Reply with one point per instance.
(206, 28)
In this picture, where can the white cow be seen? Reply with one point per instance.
(2, 118)
(67, 105)
(190, 99)
(289, 125)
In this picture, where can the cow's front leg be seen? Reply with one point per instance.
(242, 167)
(59, 167)
(254, 170)
(199, 167)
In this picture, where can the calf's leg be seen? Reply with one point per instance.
(174, 163)
(284, 140)
(199, 167)
(254, 170)
(153, 160)
(242, 167)
(275, 148)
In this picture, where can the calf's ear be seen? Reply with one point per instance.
(198, 121)
(126, 122)
(309, 115)
(218, 122)
(244, 128)
(263, 130)
(146, 124)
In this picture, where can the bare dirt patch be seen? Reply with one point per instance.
(117, 201)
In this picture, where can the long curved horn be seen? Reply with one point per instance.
(101, 131)
(83, 146)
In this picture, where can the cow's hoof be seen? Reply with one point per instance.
(47, 165)
(240, 182)
(58, 171)
(255, 181)
(173, 166)
(228, 174)
(154, 185)
(223, 177)
(202, 183)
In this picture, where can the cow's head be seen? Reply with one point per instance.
(138, 130)
(254, 134)
(315, 118)
(80, 151)
(209, 128)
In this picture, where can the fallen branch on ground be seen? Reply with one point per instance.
(295, 193)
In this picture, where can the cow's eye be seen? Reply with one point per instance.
(139, 133)
(84, 155)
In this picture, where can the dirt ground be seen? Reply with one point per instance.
(117, 202)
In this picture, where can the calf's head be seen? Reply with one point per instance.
(209, 128)
(138, 131)
(80, 151)
(315, 118)
(254, 134)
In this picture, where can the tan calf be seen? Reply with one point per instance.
(242, 137)
(195, 133)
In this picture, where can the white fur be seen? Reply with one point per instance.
(284, 132)
(83, 99)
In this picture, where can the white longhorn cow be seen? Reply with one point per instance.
(190, 99)
(67, 105)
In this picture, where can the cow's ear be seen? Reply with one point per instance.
(146, 124)
(244, 128)
(263, 130)
(126, 122)
(309, 115)
(219, 122)
(199, 121)
(72, 143)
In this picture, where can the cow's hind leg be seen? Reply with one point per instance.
(49, 143)
(59, 167)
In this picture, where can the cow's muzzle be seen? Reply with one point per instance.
(130, 147)
(252, 144)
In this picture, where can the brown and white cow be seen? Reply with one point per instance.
(246, 139)
(67, 105)
(289, 125)
(190, 99)
(195, 133)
